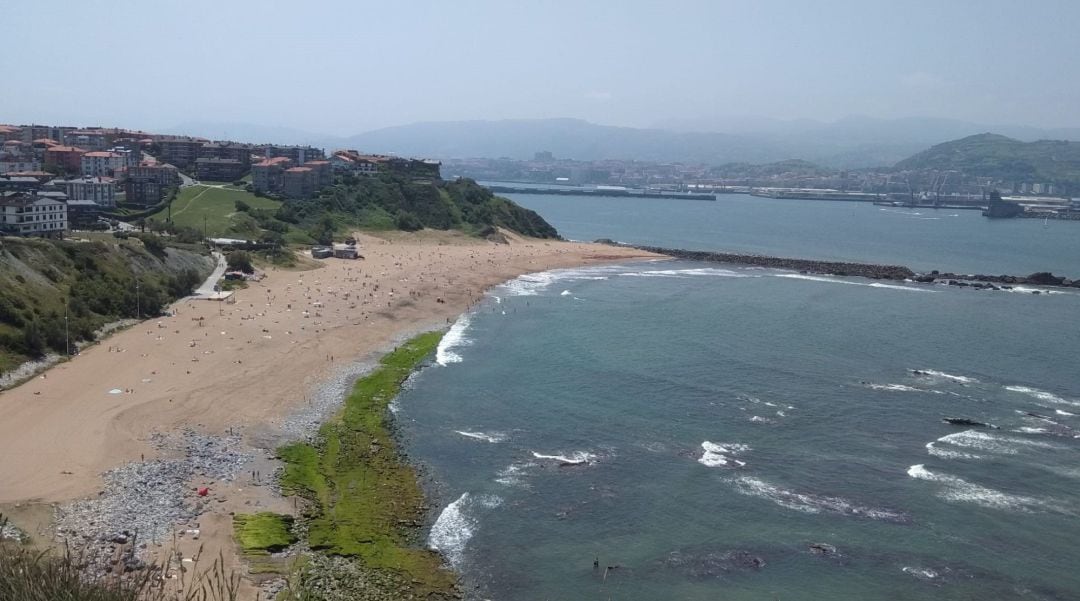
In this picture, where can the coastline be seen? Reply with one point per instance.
(229, 372)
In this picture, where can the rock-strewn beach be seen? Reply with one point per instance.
(140, 405)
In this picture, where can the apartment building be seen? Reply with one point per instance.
(99, 190)
(268, 176)
(27, 214)
(300, 182)
(102, 163)
(68, 158)
(146, 185)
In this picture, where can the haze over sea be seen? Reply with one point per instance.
(725, 432)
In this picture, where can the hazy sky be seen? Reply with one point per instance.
(345, 67)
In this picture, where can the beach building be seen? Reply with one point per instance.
(268, 176)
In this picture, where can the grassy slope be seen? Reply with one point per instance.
(216, 205)
(361, 492)
(37, 278)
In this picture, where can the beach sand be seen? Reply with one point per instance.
(248, 364)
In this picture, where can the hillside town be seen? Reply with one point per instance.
(56, 178)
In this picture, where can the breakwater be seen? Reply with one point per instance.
(620, 193)
(863, 270)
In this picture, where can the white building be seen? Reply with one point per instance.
(24, 214)
(101, 190)
(96, 164)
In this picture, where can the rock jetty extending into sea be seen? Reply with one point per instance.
(863, 270)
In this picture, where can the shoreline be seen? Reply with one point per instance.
(240, 373)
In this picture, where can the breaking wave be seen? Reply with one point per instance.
(453, 339)
(810, 503)
(575, 458)
(940, 374)
(894, 387)
(1042, 395)
(981, 441)
(492, 437)
(818, 278)
(960, 490)
(718, 455)
(692, 272)
(456, 525)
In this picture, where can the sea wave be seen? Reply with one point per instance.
(1043, 395)
(575, 458)
(719, 455)
(453, 339)
(513, 474)
(818, 278)
(960, 490)
(456, 524)
(991, 443)
(936, 451)
(690, 272)
(811, 503)
(894, 387)
(493, 437)
(940, 374)
(532, 284)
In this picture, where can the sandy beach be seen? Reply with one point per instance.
(244, 366)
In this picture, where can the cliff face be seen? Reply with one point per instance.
(91, 283)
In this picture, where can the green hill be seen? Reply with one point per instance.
(999, 157)
(395, 202)
(95, 280)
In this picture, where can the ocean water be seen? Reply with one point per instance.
(704, 431)
(961, 241)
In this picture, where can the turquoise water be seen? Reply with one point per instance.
(702, 426)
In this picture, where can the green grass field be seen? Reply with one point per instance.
(217, 206)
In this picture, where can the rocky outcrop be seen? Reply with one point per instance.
(864, 270)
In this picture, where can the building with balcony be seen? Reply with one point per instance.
(27, 214)
(300, 182)
(269, 176)
(101, 163)
(99, 190)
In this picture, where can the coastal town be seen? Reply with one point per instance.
(57, 178)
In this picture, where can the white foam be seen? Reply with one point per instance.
(453, 339)
(809, 503)
(921, 573)
(719, 455)
(575, 458)
(817, 278)
(565, 293)
(513, 474)
(757, 419)
(492, 437)
(932, 449)
(1042, 395)
(1030, 430)
(958, 489)
(894, 387)
(940, 374)
(454, 527)
(982, 441)
(686, 273)
(1065, 413)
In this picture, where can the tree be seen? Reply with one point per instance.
(239, 260)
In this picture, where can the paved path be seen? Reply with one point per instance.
(207, 291)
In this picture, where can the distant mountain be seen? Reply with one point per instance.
(566, 138)
(1001, 157)
(852, 142)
